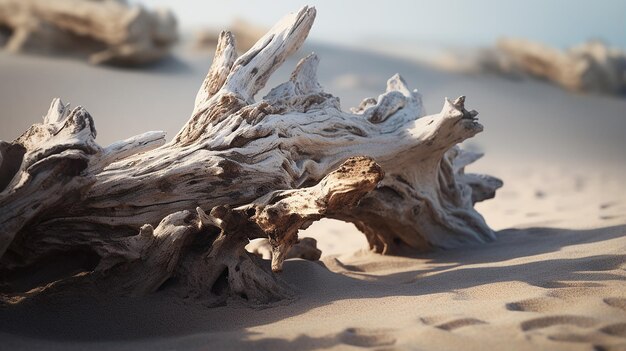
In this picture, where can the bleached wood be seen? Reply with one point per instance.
(106, 31)
(590, 66)
(239, 170)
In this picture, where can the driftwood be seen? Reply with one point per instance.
(142, 212)
(591, 66)
(588, 67)
(105, 31)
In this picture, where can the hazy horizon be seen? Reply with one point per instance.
(455, 23)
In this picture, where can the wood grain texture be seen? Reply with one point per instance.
(241, 169)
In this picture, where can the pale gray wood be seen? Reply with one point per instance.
(241, 169)
(105, 31)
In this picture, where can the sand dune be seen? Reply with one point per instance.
(554, 280)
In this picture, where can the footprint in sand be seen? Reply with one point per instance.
(595, 337)
(545, 322)
(540, 304)
(613, 213)
(607, 205)
(607, 217)
(571, 337)
(459, 323)
(365, 337)
(617, 302)
(618, 330)
(446, 323)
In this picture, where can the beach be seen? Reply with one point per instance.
(555, 278)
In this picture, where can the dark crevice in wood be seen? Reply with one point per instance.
(220, 286)
(12, 156)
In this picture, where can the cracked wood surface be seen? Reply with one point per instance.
(180, 213)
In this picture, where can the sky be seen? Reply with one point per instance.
(456, 23)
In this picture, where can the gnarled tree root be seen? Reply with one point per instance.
(151, 214)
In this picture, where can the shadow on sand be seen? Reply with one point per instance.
(65, 318)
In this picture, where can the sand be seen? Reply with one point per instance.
(554, 280)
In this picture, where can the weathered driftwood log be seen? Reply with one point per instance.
(106, 31)
(264, 170)
(590, 67)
